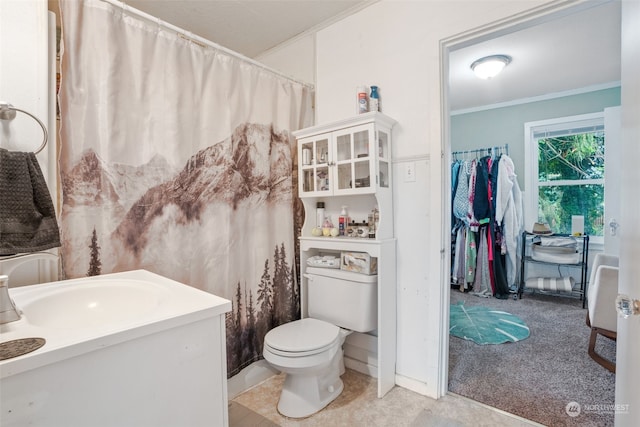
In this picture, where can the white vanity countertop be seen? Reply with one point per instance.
(82, 315)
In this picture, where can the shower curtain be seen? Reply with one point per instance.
(177, 158)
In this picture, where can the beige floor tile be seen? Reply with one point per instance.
(358, 405)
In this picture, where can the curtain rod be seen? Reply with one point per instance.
(181, 32)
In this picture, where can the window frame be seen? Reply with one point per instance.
(559, 126)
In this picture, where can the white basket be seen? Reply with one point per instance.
(555, 254)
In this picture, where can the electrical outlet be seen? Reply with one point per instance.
(410, 172)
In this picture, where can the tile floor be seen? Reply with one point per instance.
(358, 406)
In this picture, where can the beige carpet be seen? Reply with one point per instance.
(536, 378)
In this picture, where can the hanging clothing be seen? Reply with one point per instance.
(471, 218)
(455, 170)
(481, 203)
(501, 288)
(482, 282)
(459, 266)
(470, 258)
(461, 199)
(486, 238)
(509, 212)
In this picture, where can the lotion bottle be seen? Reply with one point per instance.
(319, 214)
(343, 222)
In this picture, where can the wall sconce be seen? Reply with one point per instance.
(490, 66)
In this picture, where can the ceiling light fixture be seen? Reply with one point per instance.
(490, 66)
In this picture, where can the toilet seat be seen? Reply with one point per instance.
(304, 337)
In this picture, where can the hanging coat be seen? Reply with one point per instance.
(509, 214)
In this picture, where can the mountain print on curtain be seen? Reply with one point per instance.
(224, 221)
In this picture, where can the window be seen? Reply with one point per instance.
(564, 166)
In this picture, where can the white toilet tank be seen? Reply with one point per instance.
(346, 299)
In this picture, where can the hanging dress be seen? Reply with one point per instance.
(501, 288)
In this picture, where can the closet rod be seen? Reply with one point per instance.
(503, 148)
(199, 40)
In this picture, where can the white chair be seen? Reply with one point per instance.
(601, 307)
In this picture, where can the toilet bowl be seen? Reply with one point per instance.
(309, 352)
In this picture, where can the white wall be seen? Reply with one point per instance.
(301, 50)
(26, 79)
(24, 74)
(396, 45)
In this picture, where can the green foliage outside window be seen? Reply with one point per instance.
(572, 158)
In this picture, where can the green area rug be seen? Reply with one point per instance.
(485, 326)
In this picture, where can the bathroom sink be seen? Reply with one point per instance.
(100, 302)
(107, 341)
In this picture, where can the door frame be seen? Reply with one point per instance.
(529, 18)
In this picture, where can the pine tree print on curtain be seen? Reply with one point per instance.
(277, 303)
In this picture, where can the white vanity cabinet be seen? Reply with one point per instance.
(348, 163)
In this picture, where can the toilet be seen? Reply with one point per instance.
(309, 350)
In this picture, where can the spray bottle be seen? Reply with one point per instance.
(362, 106)
(374, 99)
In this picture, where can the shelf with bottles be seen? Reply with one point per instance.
(367, 211)
(347, 157)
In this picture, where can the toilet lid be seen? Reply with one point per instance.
(302, 335)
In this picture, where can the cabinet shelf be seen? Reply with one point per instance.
(371, 246)
(567, 264)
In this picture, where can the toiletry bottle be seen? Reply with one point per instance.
(319, 214)
(327, 225)
(376, 220)
(372, 225)
(374, 99)
(362, 100)
(343, 222)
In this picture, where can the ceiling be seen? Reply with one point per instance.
(564, 54)
(577, 51)
(249, 27)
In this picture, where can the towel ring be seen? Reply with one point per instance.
(8, 112)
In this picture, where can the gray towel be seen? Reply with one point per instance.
(27, 217)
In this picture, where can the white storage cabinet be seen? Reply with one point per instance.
(348, 163)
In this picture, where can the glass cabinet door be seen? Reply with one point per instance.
(384, 156)
(353, 159)
(313, 156)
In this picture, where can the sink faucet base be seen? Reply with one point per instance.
(8, 310)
